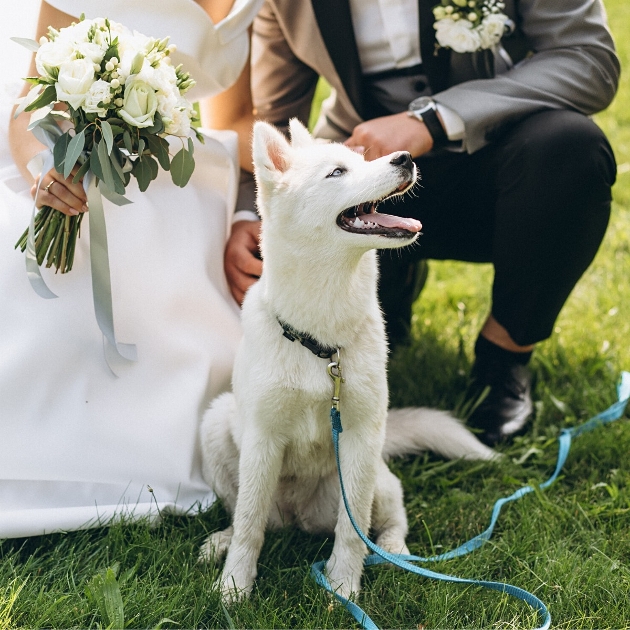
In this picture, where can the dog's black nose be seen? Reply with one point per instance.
(402, 158)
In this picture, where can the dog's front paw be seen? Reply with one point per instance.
(215, 546)
(393, 544)
(234, 587)
(344, 582)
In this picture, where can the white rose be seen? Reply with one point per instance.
(139, 103)
(100, 91)
(458, 35)
(166, 105)
(74, 81)
(51, 55)
(492, 29)
(128, 56)
(119, 30)
(163, 79)
(179, 121)
(134, 43)
(93, 52)
(76, 33)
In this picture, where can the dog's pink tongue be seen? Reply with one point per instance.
(391, 221)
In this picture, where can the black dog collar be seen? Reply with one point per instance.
(318, 349)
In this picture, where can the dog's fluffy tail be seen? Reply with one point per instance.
(414, 430)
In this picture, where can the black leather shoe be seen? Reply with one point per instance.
(505, 410)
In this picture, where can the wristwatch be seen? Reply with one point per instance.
(425, 110)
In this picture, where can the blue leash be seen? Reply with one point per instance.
(614, 412)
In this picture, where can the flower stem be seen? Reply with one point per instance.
(64, 243)
(47, 236)
(53, 252)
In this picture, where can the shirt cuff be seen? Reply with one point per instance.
(452, 123)
(245, 215)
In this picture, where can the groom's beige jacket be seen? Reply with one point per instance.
(562, 50)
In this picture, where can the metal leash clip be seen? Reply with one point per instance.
(334, 371)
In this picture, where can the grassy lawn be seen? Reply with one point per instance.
(569, 545)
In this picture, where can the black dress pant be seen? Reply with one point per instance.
(535, 203)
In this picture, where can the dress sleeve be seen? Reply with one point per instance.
(214, 54)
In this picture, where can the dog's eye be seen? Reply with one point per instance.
(338, 172)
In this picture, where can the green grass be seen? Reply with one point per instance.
(569, 545)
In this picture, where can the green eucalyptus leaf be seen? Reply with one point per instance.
(141, 146)
(105, 165)
(108, 136)
(49, 124)
(83, 169)
(45, 98)
(159, 148)
(108, 175)
(95, 162)
(142, 172)
(191, 147)
(127, 141)
(117, 174)
(116, 129)
(75, 147)
(157, 127)
(118, 160)
(153, 166)
(182, 167)
(60, 151)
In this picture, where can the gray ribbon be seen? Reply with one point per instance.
(117, 355)
(32, 268)
(47, 132)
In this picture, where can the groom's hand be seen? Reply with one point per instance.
(242, 257)
(382, 136)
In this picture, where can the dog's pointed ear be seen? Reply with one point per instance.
(300, 137)
(271, 151)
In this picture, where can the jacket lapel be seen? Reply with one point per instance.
(335, 24)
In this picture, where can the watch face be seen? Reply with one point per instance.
(420, 103)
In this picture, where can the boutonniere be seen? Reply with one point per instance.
(470, 25)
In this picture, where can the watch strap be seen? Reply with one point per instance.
(434, 127)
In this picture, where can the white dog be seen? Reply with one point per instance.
(267, 448)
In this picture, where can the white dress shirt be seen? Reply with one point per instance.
(388, 36)
(387, 33)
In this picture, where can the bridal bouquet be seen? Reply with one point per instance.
(470, 25)
(120, 97)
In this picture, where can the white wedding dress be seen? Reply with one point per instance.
(78, 445)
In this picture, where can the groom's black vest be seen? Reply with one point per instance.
(441, 66)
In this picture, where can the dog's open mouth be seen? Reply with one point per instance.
(364, 219)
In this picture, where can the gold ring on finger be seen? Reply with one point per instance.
(49, 185)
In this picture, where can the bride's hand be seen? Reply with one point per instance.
(60, 194)
(242, 262)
